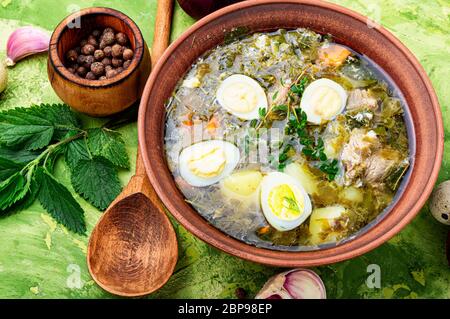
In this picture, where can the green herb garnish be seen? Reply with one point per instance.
(299, 87)
(32, 139)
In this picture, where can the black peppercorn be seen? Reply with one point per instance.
(119, 69)
(99, 55)
(88, 49)
(97, 68)
(91, 76)
(117, 51)
(106, 61)
(96, 33)
(88, 61)
(126, 64)
(108, 51)
(81, 59)
(81, 71)
(108, 38)
(116, 62)
(108, 30)
(93, 41)
(121, 38)
(128, 54)
(111, 73)
(240, 293)
(72, 56)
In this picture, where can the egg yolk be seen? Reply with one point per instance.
(207, 163)
(284, 204)
(240, 97)
(325, 102)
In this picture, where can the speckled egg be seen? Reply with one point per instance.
(440, 203)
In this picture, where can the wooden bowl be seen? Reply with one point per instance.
(423, 118)
(100, 97)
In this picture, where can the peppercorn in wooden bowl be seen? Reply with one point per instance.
(96, 87)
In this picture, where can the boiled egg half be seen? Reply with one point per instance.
(206, 163)
(323, 100)
(242, 96)
(284, 202)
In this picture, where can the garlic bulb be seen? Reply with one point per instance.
(293, 284)
(3, 76)
(25, 41)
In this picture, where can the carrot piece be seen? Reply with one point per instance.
(188, 121)
(212, 125)
(333, 54)
(263, 230)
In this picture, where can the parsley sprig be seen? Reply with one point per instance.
(313, 149)
(32, 139)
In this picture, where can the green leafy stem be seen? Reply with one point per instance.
(31, 141)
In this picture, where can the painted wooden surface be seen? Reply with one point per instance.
(39, 259)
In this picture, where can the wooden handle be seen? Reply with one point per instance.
(161, 39)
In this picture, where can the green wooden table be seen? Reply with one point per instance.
(39, 259)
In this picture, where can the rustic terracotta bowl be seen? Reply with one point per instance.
(423, 116)
(101, 97)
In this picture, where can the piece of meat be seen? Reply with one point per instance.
(361, 99)
(380, 164)
(354, 154)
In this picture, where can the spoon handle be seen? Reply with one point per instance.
(161, 39)
(161, 35)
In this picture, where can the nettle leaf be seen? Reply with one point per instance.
(59, 202)
(108, 144)
(18, 156)
(8, 168)
(96, 181)
(34, 127)
(12, 190)
(25, 202)
(62, 117)
(75, 151)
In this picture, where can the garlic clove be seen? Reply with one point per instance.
(3, 76)
(294, 284)
(24, 42)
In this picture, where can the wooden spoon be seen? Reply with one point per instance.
(133, 248)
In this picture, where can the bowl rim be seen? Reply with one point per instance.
(224, 242)
(61, 69)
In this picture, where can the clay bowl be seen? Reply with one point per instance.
(101, 97)
(423, 116)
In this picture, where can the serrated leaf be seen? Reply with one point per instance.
(96, 181)
(34, 127)
(108, 144)
(25, 202)
(75, 151)
(12, 190)
(62, 117)
(8, 168)
(59, 202)
(18, 156)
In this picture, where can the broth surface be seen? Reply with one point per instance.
(366, 146)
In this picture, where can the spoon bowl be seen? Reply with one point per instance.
(133, 248)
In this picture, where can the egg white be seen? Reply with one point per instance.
(225, 90)
(232, 156)
(308, 106)
(275, 179)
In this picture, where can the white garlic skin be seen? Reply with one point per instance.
(440, 203)
(3, 76)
